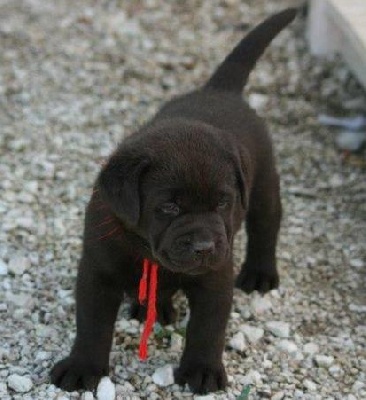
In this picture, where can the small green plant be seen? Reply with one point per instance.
(244, 395)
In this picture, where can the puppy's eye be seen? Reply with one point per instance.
(223, 204)
(171, 209)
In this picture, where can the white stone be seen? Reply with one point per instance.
(251, 378)
(106, 389)
(62, 396)
(335, 370)
(251, 333)
(258, 101)
(357, 308)
(260, 304)
(20, 384)
(287, 346)
(279, 328)
(278, 396)
(205, 397)
(309, 385)
(324, 361)
(356, 263)
(3, 388)
(18, 265)
(310, 348)
(163, 376)
(3, 268)
(358, 385)
(87, 396)
(237, 342)
(176, 342)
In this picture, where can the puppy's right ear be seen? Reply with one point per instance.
(119, 184)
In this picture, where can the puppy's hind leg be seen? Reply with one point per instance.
(259, 271)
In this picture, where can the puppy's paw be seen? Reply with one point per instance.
(165, 312)
(201, 378)
(74, 373)
(258, 278)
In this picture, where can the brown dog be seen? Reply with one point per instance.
(175, 192)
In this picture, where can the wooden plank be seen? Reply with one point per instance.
(339, 26)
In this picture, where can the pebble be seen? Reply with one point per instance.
(87, 396)
(3, 388)
(237, 342)
(106, 389)
(358, 308)
(258, 101)
(3, 268)
(278, 396)
(253, 377)
(287, 346)
(176, 342)
(323, 360)
(357, 263)
(351, 140)
(251, 333)
(358, 385)
(20, 384)
(309, 385)
(311, 348)
(18, 265)
(279, 328)
(163, 376)
(260, 304)
(205, 397)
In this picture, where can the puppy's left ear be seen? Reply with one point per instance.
(119, 184)
(244, 176)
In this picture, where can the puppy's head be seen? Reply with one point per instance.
(178, 186)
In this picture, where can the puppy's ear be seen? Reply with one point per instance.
(119, 183)
(244, 175)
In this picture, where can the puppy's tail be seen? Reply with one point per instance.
(233, 73)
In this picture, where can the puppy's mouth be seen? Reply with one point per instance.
(187, 267)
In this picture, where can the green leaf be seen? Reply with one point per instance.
(244, 395)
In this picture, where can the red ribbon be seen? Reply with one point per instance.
(149, 276)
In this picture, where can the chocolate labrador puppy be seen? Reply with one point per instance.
(175, 192)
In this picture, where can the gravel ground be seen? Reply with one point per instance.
(75, 78)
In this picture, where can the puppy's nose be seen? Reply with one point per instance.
(204, 247)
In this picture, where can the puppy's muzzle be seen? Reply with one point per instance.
(194, 248)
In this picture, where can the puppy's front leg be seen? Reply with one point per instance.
(98, 296)
(201, 364)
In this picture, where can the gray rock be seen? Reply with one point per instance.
(176, 342)
(352, 140)
(3, 388)
(279, 328)
(3, 268)
(163, 376)
(205, 397)
(251, 333)
(278, 396)
(309, 385)
(260, 304)
(106, 389)
(18, 265)
(237, 342)
(323, 360)
(87, 396)
(311, 348)
(287, 346)
(20, 384)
